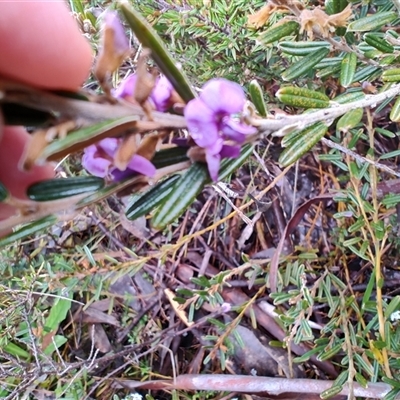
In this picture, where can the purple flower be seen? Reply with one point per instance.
(209, 120)
(98, 160)
(202, 123)
(160, 96)
(223, 97)
(126, 88)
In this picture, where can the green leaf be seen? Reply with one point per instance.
(302, 48)
(278, 31)
(349, 120)
(59, 188)
(190, 184)
(332, 391)
(28, 230)
(329, 353)
(230, 165)
(378, 42)
(256, 95)
(57, 342)
(369, 72)
(58, 312)
(335, 6)
(15, 350)
(348, 69)
(368, 292)
(306, 356)
(305, 140)
(372, 22)
(184, 191)
(302, 97)
(152, 198)
(84, 137)
(305, 65)
(149, 38)
(349, 97)
(391, 75)
(170, 156)
(395, 111)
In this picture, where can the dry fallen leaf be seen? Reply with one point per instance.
(94, 316)
(100, 339)
(259, 358)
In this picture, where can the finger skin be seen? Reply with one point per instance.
(41, 45)
(16, 181)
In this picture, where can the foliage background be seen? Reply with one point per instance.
(87, 301)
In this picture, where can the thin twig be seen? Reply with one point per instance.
(279, 127)
(359, 158)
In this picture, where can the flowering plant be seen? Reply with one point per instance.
(213, 118)
(210, 122)
(123, 133)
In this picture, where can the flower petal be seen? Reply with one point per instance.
(235, 130)
(121, 175)
(161, 94)
(126, 88)
(142, 165)
(229, 151)
(94, 164)
(213, 161)
(223, 96)
(109, 146)
(201, 123)
(216, 147)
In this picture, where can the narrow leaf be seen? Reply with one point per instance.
(379, 43)
(170, 156)
(301, 48)
(58, 312)
(230, 165)
(257, 97)
(28, 230)
(15, 350)
(391, 75)
(350, 120)
(190, 184)
(306, 140)
(302, 97)
(152, 198)
(348, 69)
(183, 193)
(278, 31)
(53, 189)
(395, 111)
(305, 65)
(372, 22)
(84, 137)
